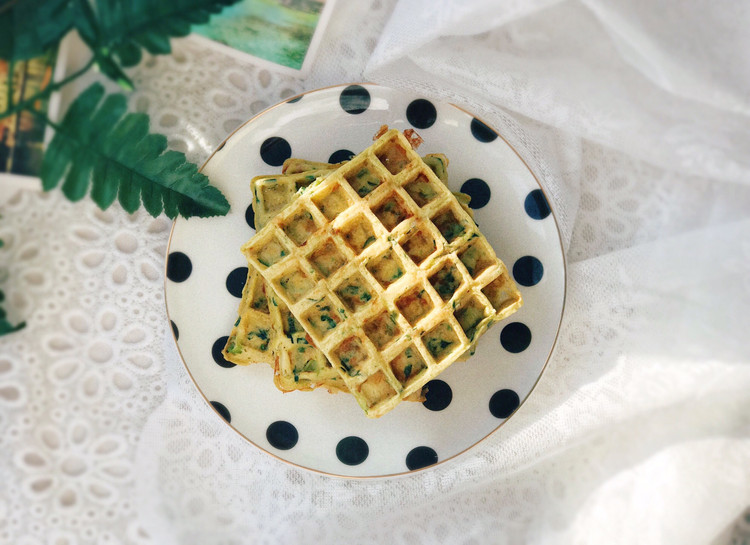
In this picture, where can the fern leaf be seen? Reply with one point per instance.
(100, 149)
(28, 28)
(123, 28)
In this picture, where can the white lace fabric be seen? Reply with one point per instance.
(635, 119)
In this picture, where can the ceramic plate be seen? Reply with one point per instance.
(329, 433)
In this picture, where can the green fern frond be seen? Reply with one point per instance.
(124, 28)
(28, 28)
(101, 149)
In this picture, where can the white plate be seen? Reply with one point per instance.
(330, 433)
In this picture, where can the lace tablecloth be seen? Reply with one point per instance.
(639, 430)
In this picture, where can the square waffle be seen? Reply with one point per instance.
(298, 364)
(386, 272)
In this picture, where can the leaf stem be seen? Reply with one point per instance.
(46, 92)
(43, 116)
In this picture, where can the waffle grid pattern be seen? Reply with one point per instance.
(298, 365)
(367, 261)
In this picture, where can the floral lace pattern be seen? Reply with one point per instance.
(105, 439)
(84, 374)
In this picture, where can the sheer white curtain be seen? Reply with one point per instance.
(636, 114)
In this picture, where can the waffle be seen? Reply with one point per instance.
(298, 364)
(386, 271)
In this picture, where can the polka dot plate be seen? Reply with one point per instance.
(329, 433)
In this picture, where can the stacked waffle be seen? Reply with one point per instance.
(368, 276)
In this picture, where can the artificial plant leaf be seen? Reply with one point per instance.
(128, 54)
(123, 28)
(101, 149)
(28, 28)
(112, 70)
(89, 29)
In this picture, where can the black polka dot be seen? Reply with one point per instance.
(282, 435)
(481, 131)
(179, 267)
(503, 403)
(355, 99)
(275, 150)
(175, 331)
(250, 216)
(216, 349)
(421, 113)
(222, 410)
(236, 281)
(438, 396)
(294, 99)
(478, 190)
(515, 337)
(341, 155)
(352, 450)
(528, 270)
(421, 457)
(536, 205)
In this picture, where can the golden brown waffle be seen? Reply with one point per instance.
(298, 364)
(251, 340)
(386, 271)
